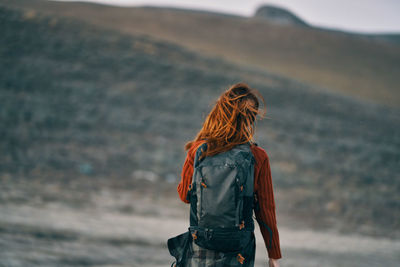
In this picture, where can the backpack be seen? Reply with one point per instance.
(221, 199)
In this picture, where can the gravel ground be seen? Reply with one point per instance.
(123, 229)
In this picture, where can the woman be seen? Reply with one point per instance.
(231, 123)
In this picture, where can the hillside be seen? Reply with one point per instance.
(84, 105)
(362, 66)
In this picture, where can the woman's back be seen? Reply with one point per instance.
(236, 188)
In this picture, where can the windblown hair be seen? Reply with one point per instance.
(231, 121)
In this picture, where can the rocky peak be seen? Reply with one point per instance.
(279, 15)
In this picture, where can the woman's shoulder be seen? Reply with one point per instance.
(259, 153)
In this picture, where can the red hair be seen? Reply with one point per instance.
(231, 121)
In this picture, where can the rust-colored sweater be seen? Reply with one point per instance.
(262, 188)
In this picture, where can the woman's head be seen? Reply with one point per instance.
(232, 119)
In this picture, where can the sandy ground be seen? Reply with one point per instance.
(126, 230)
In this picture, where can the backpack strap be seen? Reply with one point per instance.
(261, 223)
(200, 149)
(191, 194)
(192, 186)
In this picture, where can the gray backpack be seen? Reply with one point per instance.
(221, 198)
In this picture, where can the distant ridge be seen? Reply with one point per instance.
(361, 65)
(278, 15)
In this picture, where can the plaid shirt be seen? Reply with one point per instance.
(188, 254)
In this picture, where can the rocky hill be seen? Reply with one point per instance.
(279, 16)
(361, 66)
(82, 103)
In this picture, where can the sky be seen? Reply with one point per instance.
(367, 16)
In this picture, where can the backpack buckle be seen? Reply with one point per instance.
(240, 258)
(194, 235)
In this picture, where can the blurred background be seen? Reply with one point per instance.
(97, 101)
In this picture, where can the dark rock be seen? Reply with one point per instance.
(279, 15)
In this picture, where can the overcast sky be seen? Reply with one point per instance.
(350, 15)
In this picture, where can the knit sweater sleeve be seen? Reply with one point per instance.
(265, 213)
